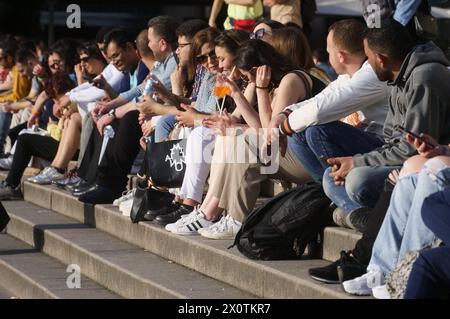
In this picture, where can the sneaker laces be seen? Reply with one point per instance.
(71, 173)
(193, 216)
(222, 224)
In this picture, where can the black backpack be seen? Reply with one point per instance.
(284, 226)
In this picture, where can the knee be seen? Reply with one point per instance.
(312, 133)
(356, 182)
(327, 182)
(437, 164)
(412, 165)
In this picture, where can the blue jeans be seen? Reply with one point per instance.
(5, 122)
(335, 139)
(430, 275)
(363, 187)
(164, 126)
(403, 229)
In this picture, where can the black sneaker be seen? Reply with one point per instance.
(358, 219)
(7, 192)
(175, 215)
(345, 268)
(152, 214)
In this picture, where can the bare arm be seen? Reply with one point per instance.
(215, 10)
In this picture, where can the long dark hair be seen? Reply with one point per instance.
(232, 39)
(255, 53)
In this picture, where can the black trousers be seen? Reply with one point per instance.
(88, 169)
(363, 248)
(29, 145)
(14, 132)
(120, 153)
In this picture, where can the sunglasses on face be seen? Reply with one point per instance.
(259, 34)
(85, 59)
(204, 57)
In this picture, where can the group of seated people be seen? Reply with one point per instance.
(101, 103)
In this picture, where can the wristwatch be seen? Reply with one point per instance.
(112, 114)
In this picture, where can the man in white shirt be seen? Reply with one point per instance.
(357, 97)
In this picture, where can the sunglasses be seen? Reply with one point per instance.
(204, 57)
(259, 34)
(85, 59)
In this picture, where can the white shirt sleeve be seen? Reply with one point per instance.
(341, 98)
(86, 92)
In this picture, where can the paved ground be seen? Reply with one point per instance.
(4, 294)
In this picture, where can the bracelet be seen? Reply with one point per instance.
(262, 87)
(286, 112)
(34, 112)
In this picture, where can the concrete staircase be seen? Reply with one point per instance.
(119, 259)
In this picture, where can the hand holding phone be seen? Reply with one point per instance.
(405, 131)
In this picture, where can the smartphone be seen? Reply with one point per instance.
(405, 131)
(324, 160)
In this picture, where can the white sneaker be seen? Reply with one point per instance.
(190, 226)
(126, 195)
(125, 207)
(46, 176)
(184, 218)
(381, 292)
(361, 286)
(226, 228)
(6, 163)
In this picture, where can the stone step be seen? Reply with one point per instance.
(122, 268)
(27, 273)
(337, 239)
(266, 279)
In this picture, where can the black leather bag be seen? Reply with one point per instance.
(166, 163)
(145, 199)
(4, 218)
(139, 207)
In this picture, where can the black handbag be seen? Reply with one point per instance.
(4, 218)
(166, 163)
(145, 199)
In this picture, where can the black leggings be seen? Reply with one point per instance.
(29, 145)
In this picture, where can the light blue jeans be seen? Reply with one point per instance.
(164, 126)
(403, 229)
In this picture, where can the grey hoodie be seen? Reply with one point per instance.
(419, 101)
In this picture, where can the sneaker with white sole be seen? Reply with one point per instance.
(126, 195)
(190, 226)
(70, 178)
(125, 207)
(226, 228)
(381, 292)
(362, 286)
(184, 218)
(6, 163)
(46, 176)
